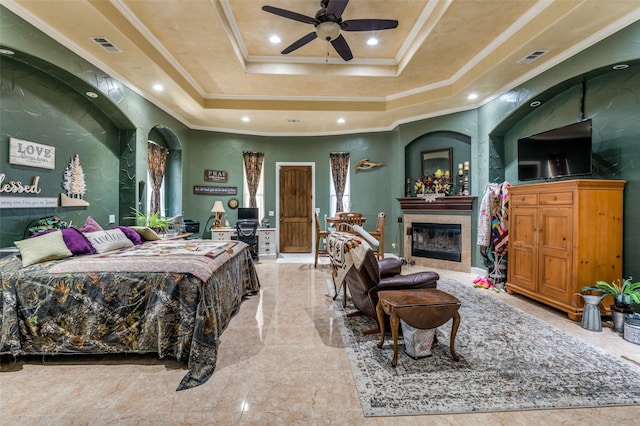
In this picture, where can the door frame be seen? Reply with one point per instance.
(313, 197)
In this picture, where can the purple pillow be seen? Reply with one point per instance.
(90, 225)
(131, 234)
(74, 240)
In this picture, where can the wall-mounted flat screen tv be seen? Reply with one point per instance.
(247, 213)
(557, 153)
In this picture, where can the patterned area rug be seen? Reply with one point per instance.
(509, 360)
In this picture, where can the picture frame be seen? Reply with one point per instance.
(430, 161)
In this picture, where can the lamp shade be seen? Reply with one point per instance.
(218, 207)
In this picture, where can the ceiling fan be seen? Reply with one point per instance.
(328, 25)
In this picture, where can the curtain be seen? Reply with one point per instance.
(339, 170)
(253, 167)
(157, 164)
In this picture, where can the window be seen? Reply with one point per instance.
(346, 198)
(259, 192)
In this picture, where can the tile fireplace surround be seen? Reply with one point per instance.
(445, 210)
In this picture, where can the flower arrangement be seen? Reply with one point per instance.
(436, 183)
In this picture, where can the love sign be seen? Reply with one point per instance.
(31, 154)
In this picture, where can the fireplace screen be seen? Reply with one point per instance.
(437, 241)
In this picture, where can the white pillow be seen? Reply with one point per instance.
(112, 239)
(49, 246)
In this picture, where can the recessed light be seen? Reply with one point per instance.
(472, 96)
(535, 104)
(91, 94)
(340, 120)
(372, 41)
(7, 52)
(620, 66)
(274, 39)
(246, 119)
(158, 87)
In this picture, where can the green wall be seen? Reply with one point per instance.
(110, 135)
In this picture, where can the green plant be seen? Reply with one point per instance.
(152, 220)
(623, 291)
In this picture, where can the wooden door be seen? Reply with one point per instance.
(295, 209)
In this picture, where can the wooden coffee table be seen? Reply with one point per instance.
(420, 308)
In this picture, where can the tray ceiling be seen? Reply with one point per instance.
(217, 65)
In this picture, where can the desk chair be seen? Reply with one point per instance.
(379, 234)
(320, 235)
(247, 232)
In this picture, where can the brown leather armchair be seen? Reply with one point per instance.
(375, 276)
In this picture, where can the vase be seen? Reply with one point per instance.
(618, 315)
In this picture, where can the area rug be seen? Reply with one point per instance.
(509, 360)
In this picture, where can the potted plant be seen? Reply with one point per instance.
(152, 220)
(624, 292)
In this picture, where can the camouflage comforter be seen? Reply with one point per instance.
(168, 313)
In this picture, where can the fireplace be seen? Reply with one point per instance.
(437, 241)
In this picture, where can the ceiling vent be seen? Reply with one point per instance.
(106, 44)
(532, 56)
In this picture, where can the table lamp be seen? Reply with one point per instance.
(218, 209)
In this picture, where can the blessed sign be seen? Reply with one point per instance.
(31, 154)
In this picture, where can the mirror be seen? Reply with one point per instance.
(438, 159)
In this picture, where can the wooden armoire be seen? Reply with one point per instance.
(563, 236)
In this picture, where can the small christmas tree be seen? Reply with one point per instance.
(73, 182)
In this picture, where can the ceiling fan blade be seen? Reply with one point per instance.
(300, 42)
(336, 7)
(290, 15)
(368, 24)
(342, 47)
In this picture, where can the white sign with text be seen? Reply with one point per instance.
(27, 202)
(31, 154)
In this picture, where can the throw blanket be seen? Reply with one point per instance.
(197, 257)
(345, 250)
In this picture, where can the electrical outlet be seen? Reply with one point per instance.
(112, 218)
(271, 213)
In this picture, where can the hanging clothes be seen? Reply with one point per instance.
(484, 215)
(500, 218)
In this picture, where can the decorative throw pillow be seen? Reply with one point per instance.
(146, 233)
(90, 225)
(135, 238)
(76, 242)
(104, 241)
(49, 246)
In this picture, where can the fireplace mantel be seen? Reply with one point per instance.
(450, 203)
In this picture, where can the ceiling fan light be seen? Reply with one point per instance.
(328, 30)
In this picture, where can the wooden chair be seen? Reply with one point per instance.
(351, 218)
(320, 234)
(379, 234)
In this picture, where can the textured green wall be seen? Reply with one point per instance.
(370, 190)
(38, 108)
(119, 123)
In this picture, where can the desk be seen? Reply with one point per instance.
(266, 239)
(420, 308)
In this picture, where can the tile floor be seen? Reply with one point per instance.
(281, 361)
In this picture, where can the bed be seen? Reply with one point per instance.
(173, 298)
